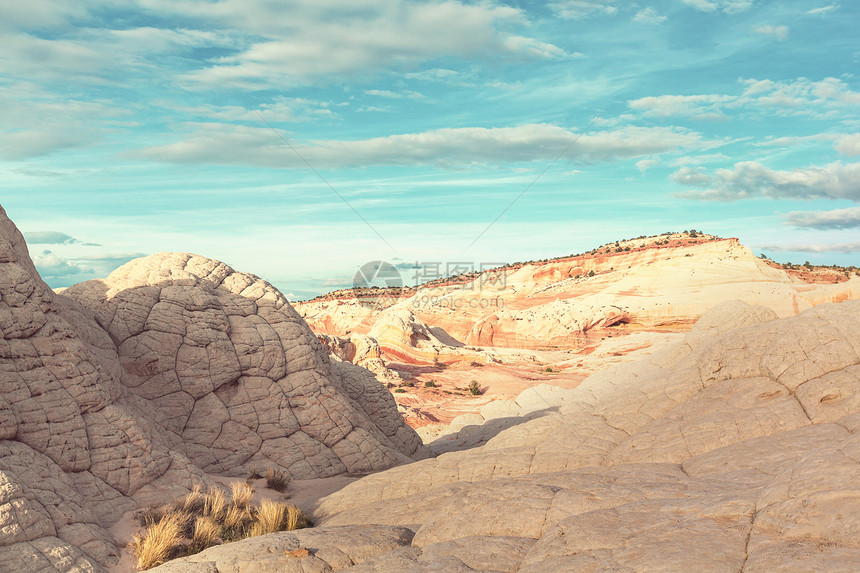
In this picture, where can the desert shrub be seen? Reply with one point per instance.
(430, 384)
(215, 504)
(159, 543)
(399, 391)
(269, 517)
(591, 273)
(254, 473)
(206, 531)
(277, 479)
(193, 502)
(237, 521)
(475, 388)
(202, 519)
(242, 495)
(548, 369)
(407, 384)
(152, 514)
(296, 519)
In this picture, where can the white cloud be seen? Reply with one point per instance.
(649, 16)
(279, 110)
(260, 43)
(693, 176)
(799, 97)
(813, 248)
(337, 40)
(778, 32)
(395, 95)
(34, 123)
(575, 9)
(228, 144)
(699, 106)
(849, 144)
(727, 6)
(644, 165)
(51, 266)
(436, 75)
(793, 140)
(29, 57)
(698, 159)
(823, 10)
(752, 179)
(38, 13)
(835, 219)
(49, 238)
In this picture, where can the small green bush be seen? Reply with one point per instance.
(430, 384)
(475, 388)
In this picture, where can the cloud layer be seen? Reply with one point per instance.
(752, 179)
(824, 220)
(217, 143)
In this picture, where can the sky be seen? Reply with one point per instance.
(298, 140)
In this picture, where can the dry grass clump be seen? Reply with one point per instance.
(269, 517)
(272, 516)
(202, 519)
(277, 480)
(160, 542)
(215, 504)
(193, 502)
(243, 493)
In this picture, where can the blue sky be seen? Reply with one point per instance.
(129, 127)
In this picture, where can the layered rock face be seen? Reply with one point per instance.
(125, 391)
(736, 449)
(640, 284)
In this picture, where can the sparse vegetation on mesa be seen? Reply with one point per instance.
(203, 519)
(404, 292)
(277, 480)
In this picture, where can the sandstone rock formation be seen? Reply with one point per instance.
(736, 449)
(232, 369)
(659, 282)
(125, 391)
(643, 291)
(361, 350)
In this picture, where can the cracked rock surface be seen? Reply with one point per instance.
(737, 449)
(125, 391)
